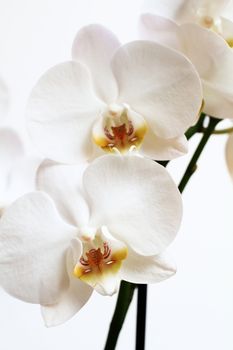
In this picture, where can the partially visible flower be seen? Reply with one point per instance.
(115, 97)
(229, 154)
(4, 99)
(17, 171)
(56, 247)
(208, 51)
(206, 13)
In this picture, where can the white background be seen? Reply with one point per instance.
(194, 309)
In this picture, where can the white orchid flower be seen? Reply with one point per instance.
(114, 96)
(209, 14)
(229, 154)
(17, 170)
(56, 247)
(208, 51)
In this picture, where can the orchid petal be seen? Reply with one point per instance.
(227, 30)
(213, 59)
(63, 183)
(163, 149)
(147, 269)
(60, 112)
(136, 199)
(182, 11)
(94, 46)
(160, 84)
(33, 245)
(21, 178)
(11, 149)
(228, 11)
(71, 301)
(174, 10)
(162, 30)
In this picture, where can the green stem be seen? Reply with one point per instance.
(141, 317)
(123, 301)
(208, 131)
(198, 127)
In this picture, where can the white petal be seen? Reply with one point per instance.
(60, 112)
(109, 285)
(162, 30)
(136, 199)
(33, 245)
(11, 147)
(227, 30)
(163, 149)
(71, 301)
(160, 84)
(213, 59)
(147, 269)
(212, 8)
(94, 46)
(63, 183)
(229, 154)
(21, 178)
(11, 150)
(174, 10)
(4, 99)
(228, 11)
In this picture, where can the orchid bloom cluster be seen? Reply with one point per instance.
(101, 209)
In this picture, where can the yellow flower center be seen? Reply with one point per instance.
(100, 260)
(119, 128)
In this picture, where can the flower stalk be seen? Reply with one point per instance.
(141, 317)
(192, 167)
(123, 301)
(198, 127)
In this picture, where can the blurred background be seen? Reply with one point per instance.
(194, 309)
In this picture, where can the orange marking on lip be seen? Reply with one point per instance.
(97, 263)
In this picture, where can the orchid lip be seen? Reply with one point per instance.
(119, 127)
(101, 260)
